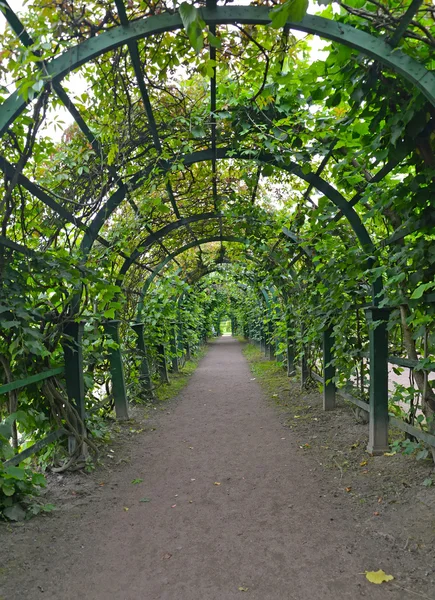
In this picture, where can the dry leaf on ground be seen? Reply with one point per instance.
(378, 576)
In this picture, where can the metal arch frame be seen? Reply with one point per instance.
(263, 157)
(184, 222)
(71, 59)
(156, 236)
(129, 32)
(167, 259)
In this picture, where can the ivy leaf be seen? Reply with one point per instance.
(213, 40)
(420, 290)
(193, 24)
(8, 489)
(14, 513)
(109, 313)
(292, 10)
(15, 472)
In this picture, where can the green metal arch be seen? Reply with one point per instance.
(161, 233)
(287, 165)
(167, 259)
(222, 153)
(185, 221)
(58, 68)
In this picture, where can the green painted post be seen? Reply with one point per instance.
(377, 319)
(145, 374)
(187, 350)
(304, 363)
(162, 363)
(304, 370)
(117, 371)
(73, 355)
(290, 357)
(270, 343)
(174, 348)
(180, 337)
(329, 389)
(290, 348)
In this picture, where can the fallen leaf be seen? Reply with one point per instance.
(145, 500)
(389, 453)
(348, 489)
(378, 576)
(216, 483)
(138, 480)
(241, 588)
(376, 514)
(363, 463)
(125, 508)
(166, 556)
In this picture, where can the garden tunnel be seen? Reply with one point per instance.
(217, 159)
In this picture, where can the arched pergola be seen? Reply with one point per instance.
(176, 184)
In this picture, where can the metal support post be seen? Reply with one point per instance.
(304, 370)
(117, 371)
(73, 355)
(145, 374)
(377, 319)
(74, 379)
(162, 363)
(270, 343)
(329, 389)
(174, 348)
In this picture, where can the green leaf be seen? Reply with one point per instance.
(137, 480)
(39, 479)
(109, 313)
(292, 10)
(14, 513)
(198, 132)
(420, 290)
(193, 24)
(8, 488)
(213, 40)
(279, 16)
(16, 472)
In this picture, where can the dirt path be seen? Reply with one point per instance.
(271, 529)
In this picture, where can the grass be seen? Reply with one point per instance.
(271, 376)
(179, 380)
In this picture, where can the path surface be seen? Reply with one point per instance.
(271, 526)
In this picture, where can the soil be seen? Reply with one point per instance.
(230, 497)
